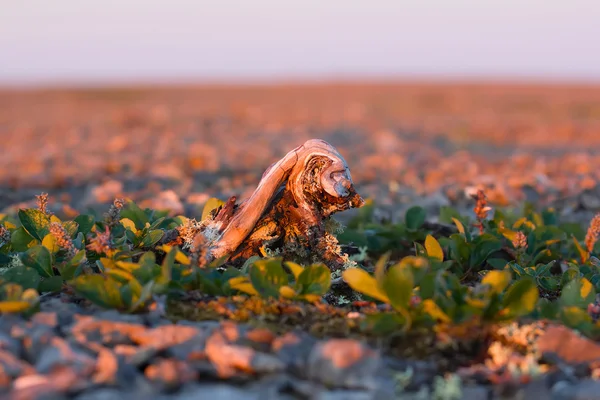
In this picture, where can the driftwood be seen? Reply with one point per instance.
(289, 212)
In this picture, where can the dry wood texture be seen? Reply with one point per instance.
(289, 212)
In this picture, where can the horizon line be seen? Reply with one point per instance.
(298, 80)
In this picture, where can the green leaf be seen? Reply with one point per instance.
(39, 258)
(84, 223)
(315, 279)
(100, 290)
(35, 222)
(362, 282)
(497, 263)
(144, 296)
(22, 275)
(415, 217)
(521, 297)
(433, 248)
(21, 240)
(52, 284)
(578, 293)
(152, 238)
(497, 280)
(548, 283)
(485, 246)
(210, 205)
(398, 285)
(136, 214)
(167, 265)
(380, 268)
(267, 276)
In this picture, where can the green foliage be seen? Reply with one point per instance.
(269, 279)
(525, 264)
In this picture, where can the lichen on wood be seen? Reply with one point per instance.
(288, 212)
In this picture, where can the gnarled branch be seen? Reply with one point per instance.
(289, 209)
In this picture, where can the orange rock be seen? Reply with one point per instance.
(568, 345)
(344, 352)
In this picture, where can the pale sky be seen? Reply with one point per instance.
(75, 41)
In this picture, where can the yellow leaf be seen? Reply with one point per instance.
(8, 225)
(30, 295)
(127, 266)
(311, 297)
(523, 221)
(459, 225)
(295, 268)
(433, 248)
(242, 284)
(129, 224)
(14, 306)
(509, 234)
(49, 242)
(210, 205)
(435, 311)
(119, 273)
(166, 248)
(498, 280)
(583, 254)
(361, 281)
(586, 288)
(477, 303)
(181, 258)
(380, 268)
(54, 218)
(107, 263)
(287, 292)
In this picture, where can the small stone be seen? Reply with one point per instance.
(190, 350)
(214, 391)
(102, 394)
(11, 368)
(587, 389)
(590, 199)
(475, 393)
(59, 352)
(344, 363)
(9, 344)
(106, 192)
(228, 358)
(294, 348)
(35, 340)
(165, 200)
(170, 374)
(49, 319)
(32, 387)
(165, 336)
(94, 334)
(568, 345)
(106, 368)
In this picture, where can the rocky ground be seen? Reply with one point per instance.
(70, 351)
(174, 148)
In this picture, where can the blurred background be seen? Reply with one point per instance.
(170, 103)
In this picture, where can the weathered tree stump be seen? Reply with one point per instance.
(289, 212)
